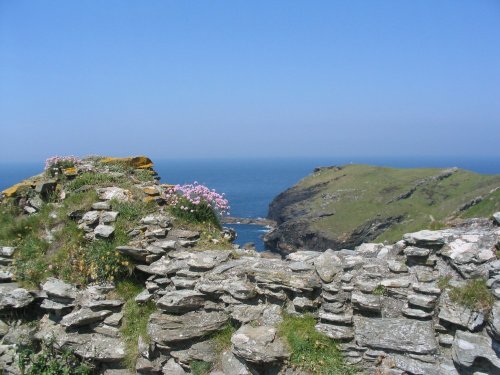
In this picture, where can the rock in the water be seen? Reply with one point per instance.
(396, 334)
(180, 301)
(258, 344)
(168, 329)
(473, 351)
(15, 299)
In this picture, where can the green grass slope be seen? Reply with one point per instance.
(337, 202)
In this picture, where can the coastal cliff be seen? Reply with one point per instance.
(100, 275)
(342, 207)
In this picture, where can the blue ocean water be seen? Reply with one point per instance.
(251, 184)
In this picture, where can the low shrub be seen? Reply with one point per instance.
(197, 203)
(55, 164)
(52, 360)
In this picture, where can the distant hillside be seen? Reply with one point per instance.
(342, 207)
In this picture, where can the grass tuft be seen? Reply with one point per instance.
(312, 351)
(474, 294)
(135, 319)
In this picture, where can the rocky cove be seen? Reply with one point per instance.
(428, 303)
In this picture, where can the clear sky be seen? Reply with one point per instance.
(249, 78)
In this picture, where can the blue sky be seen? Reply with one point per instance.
(249, 78)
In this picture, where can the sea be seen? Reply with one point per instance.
(250, 184)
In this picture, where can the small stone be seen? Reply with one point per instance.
(411, 251)
(7, 251)
(425, 238)
(181, 301)
(101, 206)
(84, 317)
(109, 193)
(366, 302)
(58, 288)
(91, 217)
(15, 299)
(336, 332)
(108, 217)
(173, 368)
(415, 313)
(143, 296)
(423, 301)
(397, 267)
(259, 344)
(104, 231)
(328, 264)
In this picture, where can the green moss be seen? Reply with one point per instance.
(380, 290)
(312, 351)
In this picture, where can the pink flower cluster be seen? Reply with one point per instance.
(61, 160)
(197, 194)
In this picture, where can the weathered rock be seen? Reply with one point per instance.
(232, 365)
(207, 260)
(494, 321)
(459, 315)
(109, 193)
(328, 264)
(336, 332)
(169, 329)
(258, 344)
(201, 351)
(91, 217)
(469, 350)
(104, 231)
(422, 301)
(397, 267)
(425, 238)
(84, 317)
(133, 252)
(143, 296)
(396, 334)
(496, 218)
(180, 301)
(412, 251)
(7, 251)
(101, 206)
(15, 299)
(184, 234)
(173, 368)
(366, 302)
(108, 217)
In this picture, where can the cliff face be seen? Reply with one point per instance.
(342, 207)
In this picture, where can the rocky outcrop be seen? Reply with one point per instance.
(342, 207)
(385, 305)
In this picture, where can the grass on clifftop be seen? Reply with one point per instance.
(355, 194)
(312, 351)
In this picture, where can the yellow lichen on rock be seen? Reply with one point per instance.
(151, 190)
(70, 172)
(13, 190)
(139, 162)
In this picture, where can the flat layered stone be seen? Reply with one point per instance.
(15, 299)
(366, 302)
(259, 344)
(84, 317)
(169, 329)
(336, 332)
(396, 334)
(180, 301)
(425, 238)
(328, 264)
(58, 288)
(468, 349)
